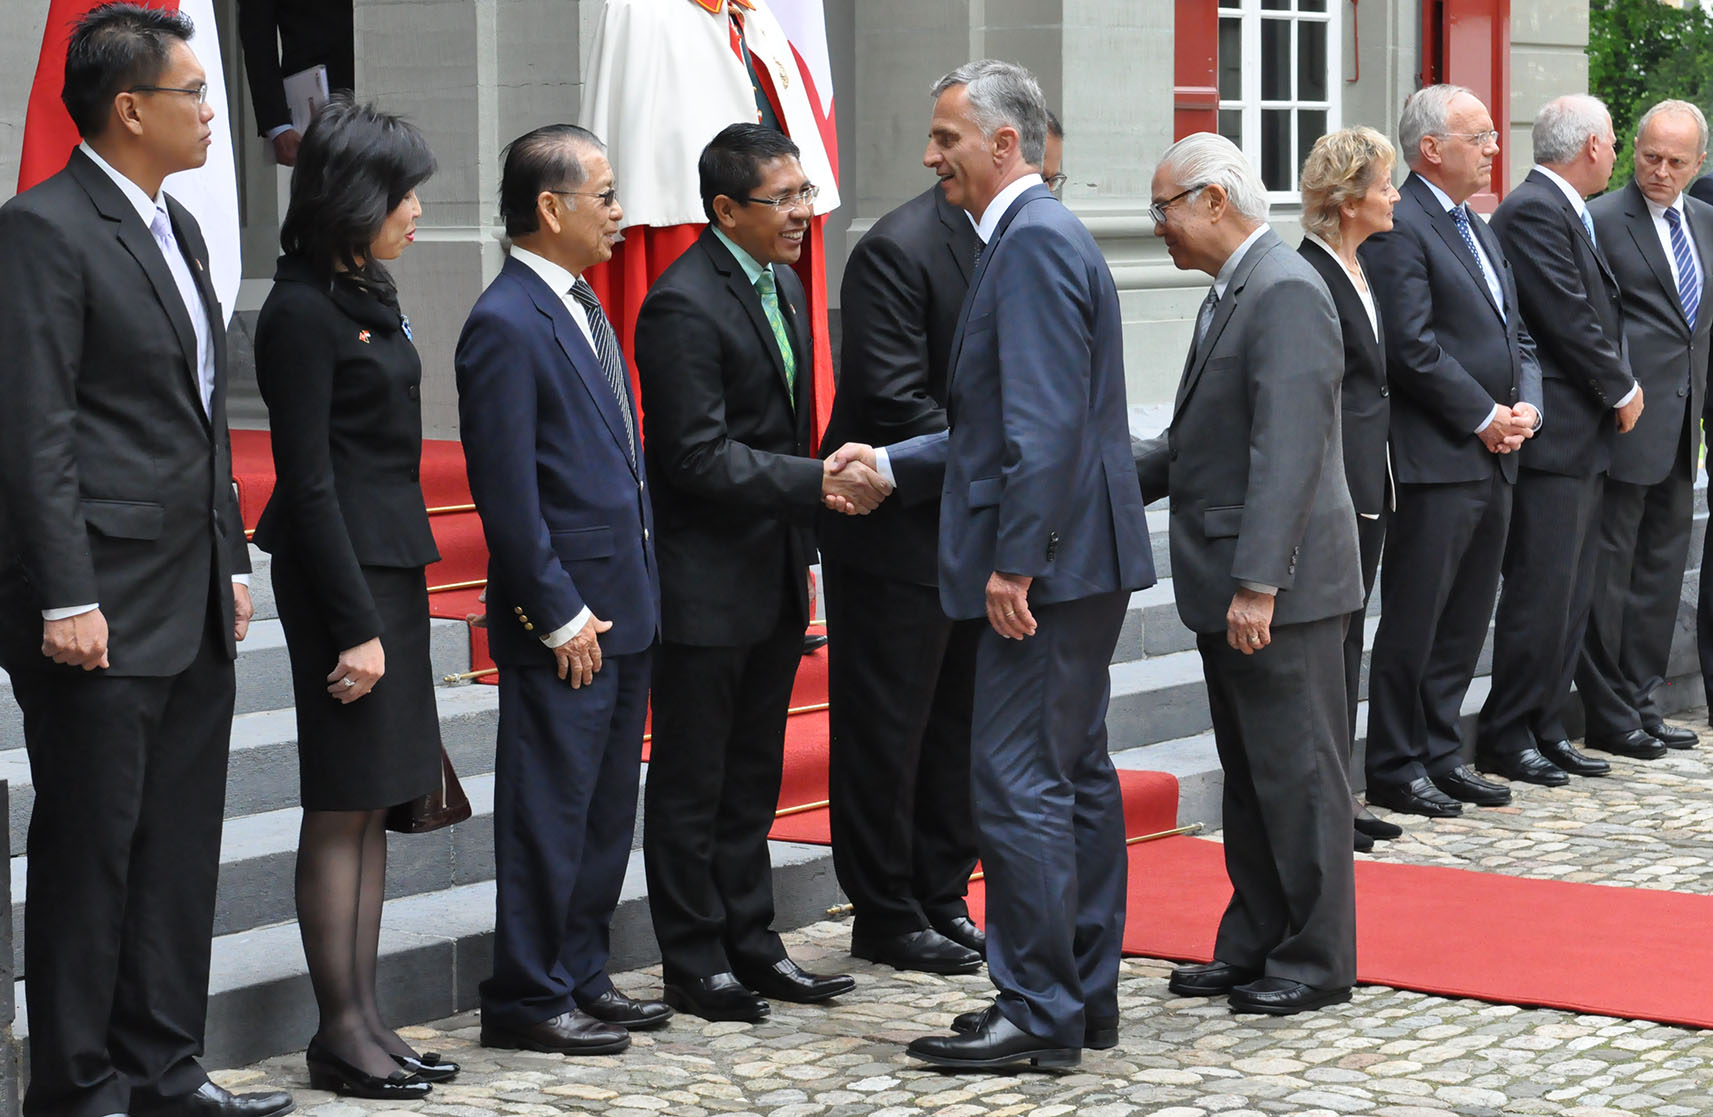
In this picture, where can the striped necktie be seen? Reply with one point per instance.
(607, 351)
(769, 292)
(1688, 275)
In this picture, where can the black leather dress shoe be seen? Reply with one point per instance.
(1280, 996)
(613, 1007)
(1461, 783)
(785, 980)
(926, 951)
(1527, 766)
(1363, 842)
(1671, 736)
(1377, 828)
(328, 1071)
(1419, 796)
(1100, 1033)
(996, 1043)
(813, 642)
(569, 1033)
(1208, 979)
(429, 1066)
(720, 997)
(1564, 755)
(963, 931)
(209, 1100)
(1637, 744)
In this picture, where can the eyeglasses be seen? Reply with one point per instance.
(1158, 210)
(1056, 182)
(1479, 139)
(607, 197)
(803, 197)
(200, 92)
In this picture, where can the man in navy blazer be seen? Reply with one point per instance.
(550, 436)
(1042, 533)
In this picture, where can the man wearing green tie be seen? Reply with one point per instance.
(723, 355)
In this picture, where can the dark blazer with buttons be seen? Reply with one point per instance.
(1254, 458)
(565, 510)
(1450, 353)
(1365, 399)
(342, 382)
(727, 442)
(1570, 301)
(1035, 477)
(903, 288)
(1667, 356)
(115, 484)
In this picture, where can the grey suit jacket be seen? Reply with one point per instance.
(1666, 355)
(1253, 458)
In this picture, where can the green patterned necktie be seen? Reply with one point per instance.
(764, 286)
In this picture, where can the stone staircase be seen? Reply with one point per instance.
(436, 940)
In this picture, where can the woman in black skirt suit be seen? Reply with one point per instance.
(349, 537)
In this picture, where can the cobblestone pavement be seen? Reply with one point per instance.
(1387, 1053)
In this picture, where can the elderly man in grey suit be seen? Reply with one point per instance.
(1264, 560)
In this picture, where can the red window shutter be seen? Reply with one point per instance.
(1468, 42)
(1195, 79)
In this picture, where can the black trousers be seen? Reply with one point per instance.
(712, 790)
(1543, 610)
(1443, 550)
(124, 856)
(1370, 537)
(1050, 817)
(901, 686)
(565, 778)
(1278, 725)
(1638, 586)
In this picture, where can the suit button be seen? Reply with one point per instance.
(529, 628)
(645, 535)
(413, 391)
(518, 610)
(1681, 392)
(523, 618)
(415, 473)
(1171, 455)
(1385, 391)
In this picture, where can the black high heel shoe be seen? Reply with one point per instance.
(328, 1071)
(429, 1066)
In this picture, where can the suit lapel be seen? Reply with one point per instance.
(1701, 230)
(750, 299)
(1579, 230)
(1033, 194)
(961, 236)
(1222, 312)
(577, 350)
(1443, 224)
(210, 306)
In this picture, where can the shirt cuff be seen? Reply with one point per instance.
(1260, 587)
(1628, 396)
(883, 466)
(1487, 422)
(241, 580)
(564, 632)
(281, 130)
(69, 611)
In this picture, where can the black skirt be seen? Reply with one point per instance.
(384, 748)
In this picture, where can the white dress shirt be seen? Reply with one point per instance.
(560, 282)
(147, 208)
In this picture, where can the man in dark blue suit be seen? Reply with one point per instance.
(1042, 532)
(550, 435)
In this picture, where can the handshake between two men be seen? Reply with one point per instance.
(851, 483)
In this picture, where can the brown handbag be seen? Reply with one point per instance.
(444, 806)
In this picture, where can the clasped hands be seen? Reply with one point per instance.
(1509, 428)
(850, 482)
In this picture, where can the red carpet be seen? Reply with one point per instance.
(1628, 952)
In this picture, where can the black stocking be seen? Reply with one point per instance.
(332, 871)
(369, 900)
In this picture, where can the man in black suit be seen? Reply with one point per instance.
(572, 581)
(123, 582)
(284, 37)
(1266, 573)
(1465, 395)
(1569, 301)
(1657, 240)
(723, 354)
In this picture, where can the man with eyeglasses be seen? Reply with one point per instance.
(1466, 394)
(1569, 299)
(123, 582)
(1658, 236)
(903, 840)
(550, 439)
(723, 354)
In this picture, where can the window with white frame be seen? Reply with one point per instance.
(1278, 82)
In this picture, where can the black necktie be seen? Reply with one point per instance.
(612, 361)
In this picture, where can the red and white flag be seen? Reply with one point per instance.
(210, 192)
(805, 24)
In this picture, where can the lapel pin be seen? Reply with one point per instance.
(363, 336)
(198, 264)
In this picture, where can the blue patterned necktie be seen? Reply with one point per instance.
(1460, 217)
(1688, 275)
(607, 352)
(1588, 223)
